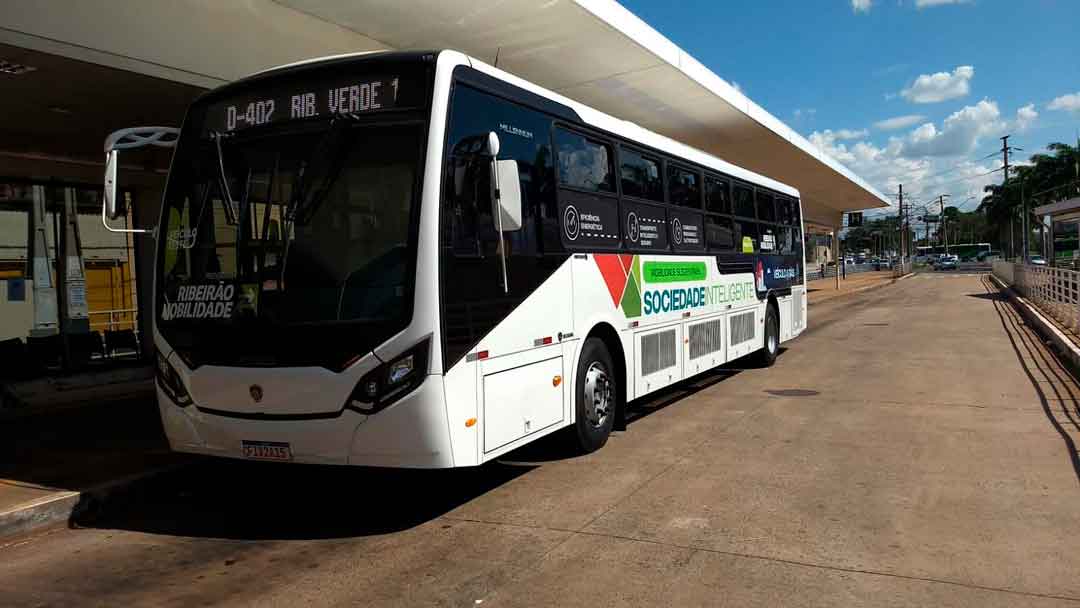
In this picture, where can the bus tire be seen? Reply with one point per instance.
(771, 343)
(596, 395)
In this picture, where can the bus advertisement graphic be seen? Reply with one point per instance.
(629, 282)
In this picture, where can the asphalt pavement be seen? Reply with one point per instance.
(917, 446)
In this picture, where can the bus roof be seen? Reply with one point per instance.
(590, 116)
(601, 54)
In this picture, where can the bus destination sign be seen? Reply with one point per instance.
(297, 100)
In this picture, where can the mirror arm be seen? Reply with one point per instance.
(126, 139)
(105, 222)
(498, 212)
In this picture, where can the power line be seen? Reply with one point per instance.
(951, 169)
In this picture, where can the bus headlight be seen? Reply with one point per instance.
(392, 380)
(169, 381)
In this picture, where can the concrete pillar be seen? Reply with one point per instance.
(145, 212)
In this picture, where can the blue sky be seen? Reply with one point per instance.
(909, 91)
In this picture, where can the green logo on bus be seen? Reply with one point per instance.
(674, 272)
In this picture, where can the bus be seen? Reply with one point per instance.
(414, 259)
(965, 251)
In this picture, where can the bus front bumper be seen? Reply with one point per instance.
(410, 433)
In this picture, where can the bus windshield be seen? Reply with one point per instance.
(289, 234)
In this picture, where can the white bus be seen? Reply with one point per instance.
(419, 260)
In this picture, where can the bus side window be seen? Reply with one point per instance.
(744, 201)
(720, 234)
(584, 163)
(524, 138)
(768, 239)
(746, 236)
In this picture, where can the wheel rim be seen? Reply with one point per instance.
(771, 338)
(599, 394)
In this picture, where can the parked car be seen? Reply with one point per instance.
(1037, 260)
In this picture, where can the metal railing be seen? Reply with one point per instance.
(1055, 291)
(814, 271)
(117, 319)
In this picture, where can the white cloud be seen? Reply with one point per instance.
(861, 6)
(959, 133)
(931, 3)
(1025, 117)
(1067, 103)
(942, 86)
(929, 159)
(898, 122)
(842, 134)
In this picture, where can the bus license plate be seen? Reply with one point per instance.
(266, 450)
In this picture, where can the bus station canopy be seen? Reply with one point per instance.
(1067, 211)
(599, 53)
(592, 51)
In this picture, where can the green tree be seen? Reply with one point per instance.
(1049, 177)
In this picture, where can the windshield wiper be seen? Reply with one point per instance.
(303, 207)
(231, 211)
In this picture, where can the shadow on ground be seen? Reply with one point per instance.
(233, 499)
(1045, 372)
(996, 296)
(79, 448)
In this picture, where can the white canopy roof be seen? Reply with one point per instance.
(598, 53)
(592, 51)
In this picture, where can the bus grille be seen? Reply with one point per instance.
(706, 338)
(742, 327)
(657, 351)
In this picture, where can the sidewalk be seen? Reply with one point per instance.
(821, 290)
(52, 465)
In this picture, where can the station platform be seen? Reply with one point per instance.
(57, 458)
(822, 290)
(54, 463)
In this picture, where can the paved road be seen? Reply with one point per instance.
(916, 447)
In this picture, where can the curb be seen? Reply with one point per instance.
(892, 281)
(1045, 328)
(68, 505)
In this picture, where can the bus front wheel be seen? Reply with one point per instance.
(595, 395)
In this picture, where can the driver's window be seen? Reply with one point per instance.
(584, 163)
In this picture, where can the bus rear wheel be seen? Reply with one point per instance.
(771, 347)
(596, 393)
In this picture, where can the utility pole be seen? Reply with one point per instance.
(903, 231)
(1005, 149)
(1012, 247)
(1024, 224)
(944, 226)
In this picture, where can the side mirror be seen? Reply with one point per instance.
(506, 195)
(126, 139)
(112, 207)
(492, 144)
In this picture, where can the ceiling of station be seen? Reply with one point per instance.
(593, 51)
(64, 108)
